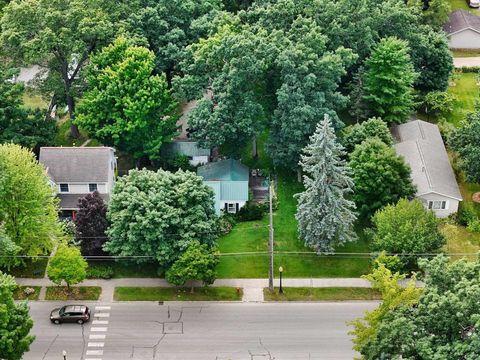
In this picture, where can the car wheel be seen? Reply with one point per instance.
(56, 322)
(80, 321)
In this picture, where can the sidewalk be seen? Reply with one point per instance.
(252, 288)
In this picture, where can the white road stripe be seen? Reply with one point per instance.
(100, 322)
(97, 336)
(102, 315)
(98, 329)
(103, 307)
(95, 344)
(93, 359)
(94, 352)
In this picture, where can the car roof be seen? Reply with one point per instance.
(75, 308)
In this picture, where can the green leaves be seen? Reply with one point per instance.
(67, 265)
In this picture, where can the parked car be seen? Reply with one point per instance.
(70, 313)
(474, 3)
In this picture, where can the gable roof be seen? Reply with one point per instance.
(421, 144)
(224, 170)
(187, 148)
(460, 20)
(77, 164)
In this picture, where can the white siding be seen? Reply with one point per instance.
(452, 204)
(466, 39)
(199, 160)
(82, 188)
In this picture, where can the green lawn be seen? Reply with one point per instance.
(30, 269)
(76, 293)
(177, 294)
(466, 53)
(253, 237)
(33, 100)
(321, 294)
(463, 4)
(466, 92)
(63, 137)
(19, 293)
(126, 269)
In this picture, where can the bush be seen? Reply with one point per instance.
(466, 214)
(226, 222)
(252, 211)
(474, 226)
(392, 263)
(100, 273)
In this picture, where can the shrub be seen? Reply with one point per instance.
(392, 263)
(100, 273)
(252, 211)
(28, 291)
(226, 222)
(474, 226)
(466, 214)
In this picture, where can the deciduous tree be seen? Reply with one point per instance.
(67, 265)
(356, 134)
(198, 262)
(15, 322)
(407, 228)
(8, 251)
(126, 105)
(380, 176)
(325, 216)
(159, 214)
(28, 206)
(389, 78)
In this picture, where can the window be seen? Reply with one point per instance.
(437, 205)
(232, 208)
(64, 188)
(92, 187)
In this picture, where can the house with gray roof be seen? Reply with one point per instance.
(421, 144)
(463, 30)
(77, 171)
(229, 181)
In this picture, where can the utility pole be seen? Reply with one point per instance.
(270, 240)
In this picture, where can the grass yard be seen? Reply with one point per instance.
(252, 236)
(466, 53)
(466, 92)
(461, 241)
(76, 293)
(321, 294)
(63, 137)
(463, 4)
(20, 294)
(33, 100)
(126, 269)
(177, 294)
(30, 269)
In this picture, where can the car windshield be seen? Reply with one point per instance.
(62, 311)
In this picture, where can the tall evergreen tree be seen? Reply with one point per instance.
(325, 217)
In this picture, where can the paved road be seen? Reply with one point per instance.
(466, 61)
(200, 331)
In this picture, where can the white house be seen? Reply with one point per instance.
(195, 154)
(463, 30)
(421, 144)
(77, 171)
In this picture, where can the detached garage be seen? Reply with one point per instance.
(463, 30)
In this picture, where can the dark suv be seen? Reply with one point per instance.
(70, 313)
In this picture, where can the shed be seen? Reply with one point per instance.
(196, 155)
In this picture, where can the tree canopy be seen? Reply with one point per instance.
(374, 127)
(159, 214)
(28, 209)
(126, 105)
(67, 265)
(380, 176)
(325, 216)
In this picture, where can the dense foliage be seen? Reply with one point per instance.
(159, 214)
(325, 216)
(126, 105)
(28, 207)
(15, 322)
(407, 228)
(355, 134)
(380, 176)
(91, 224)
(67, 265)
(8, 251)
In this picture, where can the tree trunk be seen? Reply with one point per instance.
(74, 133)
(254, 147)
(299, 175)
(191, 289)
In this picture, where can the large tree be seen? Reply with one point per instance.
(91, 224)
(466, 142)
(380, 176)
(356, 134)
(15, 322)
(407, 228)
(29, 128)
(159, 214)
(325, 216)
(67, 265)
(28, 207)
(389, 78)
(59, 35)
(8, 251)
(442, 324)
(126, 105)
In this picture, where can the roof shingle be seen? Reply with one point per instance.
(461, 20)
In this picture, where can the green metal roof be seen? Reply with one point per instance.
(187, 148)
(224, 170)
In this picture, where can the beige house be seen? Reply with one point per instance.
(421, 144)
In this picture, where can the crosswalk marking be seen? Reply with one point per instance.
(96, 344)
(102, 307)
(97, 336)
(94, 352)
(102, 315)
(93, 359)
(100, 322)
(98, 329)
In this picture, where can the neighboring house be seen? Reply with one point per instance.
(77, 171)
(463, 30)
(190, 149)
(229, 181)
(421, 144)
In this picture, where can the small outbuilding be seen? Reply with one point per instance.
(463, 30)
(421, 144)
(229, 181)
(195, 154)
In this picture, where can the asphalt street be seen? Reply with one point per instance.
(199, 331)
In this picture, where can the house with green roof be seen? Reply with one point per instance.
(196, 155)
(229, 181)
